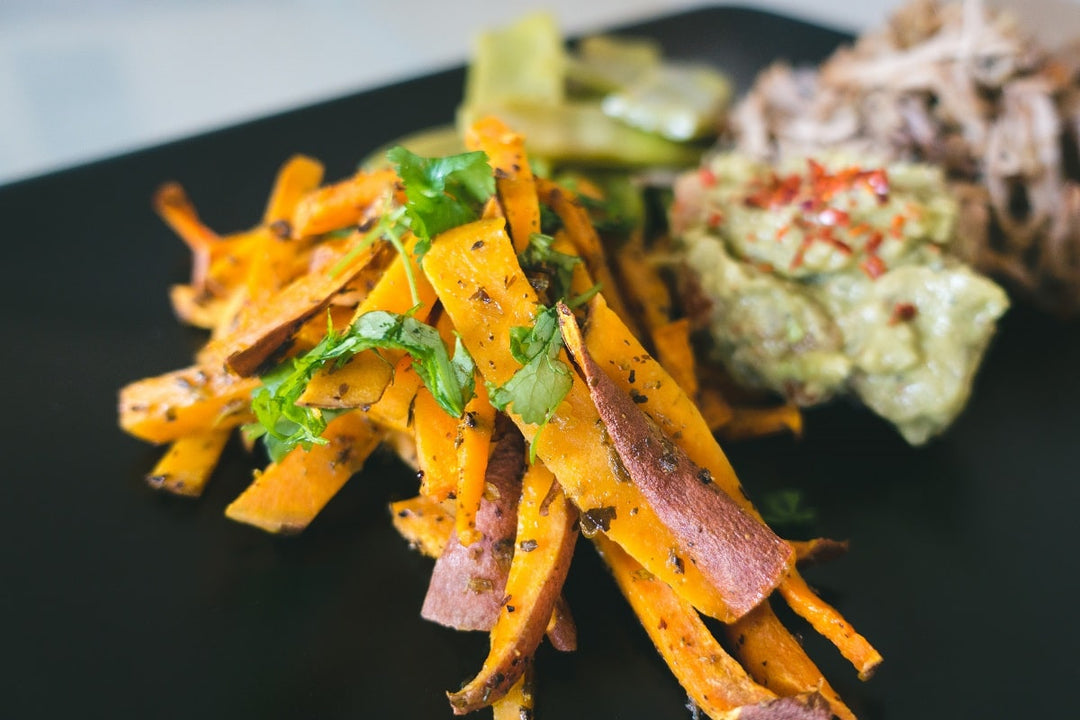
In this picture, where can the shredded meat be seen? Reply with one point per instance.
(961, 86)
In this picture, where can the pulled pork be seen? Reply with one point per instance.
(963, 87)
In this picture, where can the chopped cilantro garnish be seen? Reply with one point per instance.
(284, 425)
(786, 509)
(441, 193)
(536, 389)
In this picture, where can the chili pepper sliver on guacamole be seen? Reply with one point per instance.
(830, 278)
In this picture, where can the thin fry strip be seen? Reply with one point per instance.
(394, 410)
(424, 523)
(342, 204)
(572, 444)
(173, 206)
(518, 703)
(352, 384)
(646, 292)
(713, 679)
(777, 660)
(829, 622)
(435, 431)
(277, 319)
(287, 496)
(751, 422)
(610, 342)
(547, 526)
(575, 219)
(818, 550)
(188, 463)
(514, 180)
(473, 442)
(184, 402)
(673, 350)
(299, 176)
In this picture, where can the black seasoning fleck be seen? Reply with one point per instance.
(597, 519)
(675, 562)
(705, 476)
(281, 229)
(633, 376)
(477, 245)
(668, 461)
(527, 545)
(638, 397)
(481, 295)
(470, 420)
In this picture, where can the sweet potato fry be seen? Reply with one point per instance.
(186, 466)
(672, 343)
(436, 454)
(752, 422)
(546, 532)
(287, 496)
(172, 204)
(514, 180)
(473, 441)
(360, 382)
(712, 678)
(517, 704)
(277, 319)
(582, 234)
(737, 553)
(826, 620)
(468, 584)
(394, 410)
(184, 402)
(818, 550)
(424, 522)
(573, 443)
(776, 659)
(342, 204)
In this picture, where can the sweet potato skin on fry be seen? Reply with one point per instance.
(740, 555)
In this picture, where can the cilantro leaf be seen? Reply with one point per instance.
(536, 389)
(283, 424)
(441, 193)
(785, 508)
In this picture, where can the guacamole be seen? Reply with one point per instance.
(824, 278)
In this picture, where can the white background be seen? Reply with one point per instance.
(84, 79)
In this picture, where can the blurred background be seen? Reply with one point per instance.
(85, 79)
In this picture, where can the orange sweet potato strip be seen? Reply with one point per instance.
(582, 234)
(712, 678)
(547, 527)
(287, 496)
(627, 363)
(298, 177)
(342, 204)
(424, 522)
(818, 550)
(777, 660)
(514, 180)
(573, 443)
(360, 382)
(392, 294)
(172, 204)
(395, 408)
(274, 321)
(739, 554)
(436, 431)
(752, 422)
(646, 293)
(827, 621)
(673, 350)
(185, 402)
(473, 442)
(518, 703)
(188, 463)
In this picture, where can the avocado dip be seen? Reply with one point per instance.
(824, 277)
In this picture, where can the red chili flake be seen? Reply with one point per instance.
(832, 217)
(716, 219)
(903, 312)
(707, 177)
(874, 243)
(873, 266)
(800, 252)
(896, 228)
(782, 232)
(878, 182)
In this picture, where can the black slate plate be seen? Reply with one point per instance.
(119, 602)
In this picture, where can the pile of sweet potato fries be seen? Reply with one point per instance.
(572, 401)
